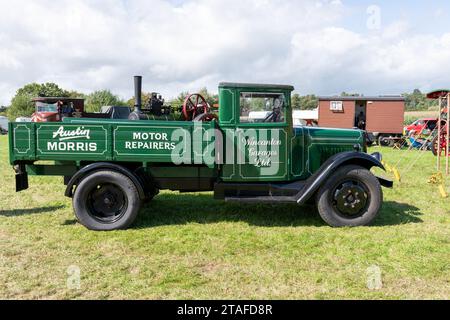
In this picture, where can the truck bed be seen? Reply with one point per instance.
(104, 140)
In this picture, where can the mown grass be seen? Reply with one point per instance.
(193, 247)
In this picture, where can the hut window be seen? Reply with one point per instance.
(336, 106)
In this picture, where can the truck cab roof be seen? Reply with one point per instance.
(255, 86)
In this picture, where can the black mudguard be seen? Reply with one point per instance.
(21, 177)
(77, 177)
(345, 158)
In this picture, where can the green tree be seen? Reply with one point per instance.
(210, 98)
(145, 97)
(179, 100)
(76, 94)
(417, 101)
(98, 99)
(346, 94)
(308, 102)
(296, 101)
(21, 104)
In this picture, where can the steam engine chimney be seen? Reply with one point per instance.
(137, 114)
(137, 93)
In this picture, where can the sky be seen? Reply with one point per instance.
(321, 47)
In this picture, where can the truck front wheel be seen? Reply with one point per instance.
(351, 196)
(106, 200)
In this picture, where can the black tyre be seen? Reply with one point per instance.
(385, 141)
(106, 200)
(351, 197)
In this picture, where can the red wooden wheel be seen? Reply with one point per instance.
(440, 141)
(205, 117)
(442, 147)
(194, 105)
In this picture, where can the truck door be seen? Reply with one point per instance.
(261, 137)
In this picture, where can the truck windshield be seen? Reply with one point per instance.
(261, 106)
(46, 107)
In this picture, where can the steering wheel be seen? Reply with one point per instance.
(275, 115)
(194, 105)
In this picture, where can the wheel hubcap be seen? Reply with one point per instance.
(107, 203)
(350, 198)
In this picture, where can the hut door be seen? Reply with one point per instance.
(361, 115)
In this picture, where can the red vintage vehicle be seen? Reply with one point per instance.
(421, 126)
(52, 109)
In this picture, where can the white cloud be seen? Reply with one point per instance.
(184, 45)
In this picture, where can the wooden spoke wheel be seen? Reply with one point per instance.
(440, 145)
(194, 105)
(205, 117)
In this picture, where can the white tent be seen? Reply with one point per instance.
(300, 117)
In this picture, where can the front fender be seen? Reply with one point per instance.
(344, 158)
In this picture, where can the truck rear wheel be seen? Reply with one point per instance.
(106, 200)
(351, 197)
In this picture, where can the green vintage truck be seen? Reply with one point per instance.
(250, 152)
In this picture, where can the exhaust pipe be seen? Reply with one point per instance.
(137, 93)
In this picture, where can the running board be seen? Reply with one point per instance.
(266, 199)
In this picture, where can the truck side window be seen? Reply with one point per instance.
(261, 107)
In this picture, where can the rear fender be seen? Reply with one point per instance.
(83, 172)
(332, 164)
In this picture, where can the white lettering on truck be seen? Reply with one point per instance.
(72, 146)
(79, 132)
(64, 135)
(150, 141)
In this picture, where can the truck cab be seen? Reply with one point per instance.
(271, 148)
(250, 152)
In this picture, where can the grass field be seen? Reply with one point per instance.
(193, 247)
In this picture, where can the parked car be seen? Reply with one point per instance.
(421, 126)
(3, 125)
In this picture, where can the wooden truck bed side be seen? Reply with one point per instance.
(93, 140)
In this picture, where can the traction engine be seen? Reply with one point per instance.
(195, 106)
